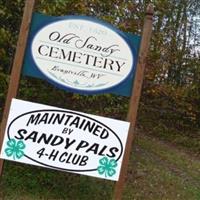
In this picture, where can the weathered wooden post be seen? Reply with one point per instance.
(134, 101)
(17, 66)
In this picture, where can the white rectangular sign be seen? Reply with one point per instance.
(64, 140)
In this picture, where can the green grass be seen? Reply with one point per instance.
(157, 171)
(162, 171)
(38, 183)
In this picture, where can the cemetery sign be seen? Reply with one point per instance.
(82, 54)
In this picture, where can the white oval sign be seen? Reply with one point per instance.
(65, 140)
(81, 54)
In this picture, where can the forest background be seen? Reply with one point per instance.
(170, 103)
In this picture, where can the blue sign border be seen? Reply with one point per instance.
(39, 21)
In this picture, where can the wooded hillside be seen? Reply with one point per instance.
(164, 163)
(169, 106)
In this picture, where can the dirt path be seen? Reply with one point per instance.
(162, 171)
(157, 171)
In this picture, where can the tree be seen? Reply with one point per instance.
(171, 86)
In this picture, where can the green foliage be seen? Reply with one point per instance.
(3, 89)
(170, 99)
(169, 106)
(170, 113)
(10, 15)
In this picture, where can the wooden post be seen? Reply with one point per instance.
(16, 68)
(134, 101)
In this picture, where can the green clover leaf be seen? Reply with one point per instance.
(107, 167)
(15, 148)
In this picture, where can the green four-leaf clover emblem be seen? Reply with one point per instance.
(15, 148)
(107, 167)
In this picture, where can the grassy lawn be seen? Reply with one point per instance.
(157, 171)
(161, 171)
